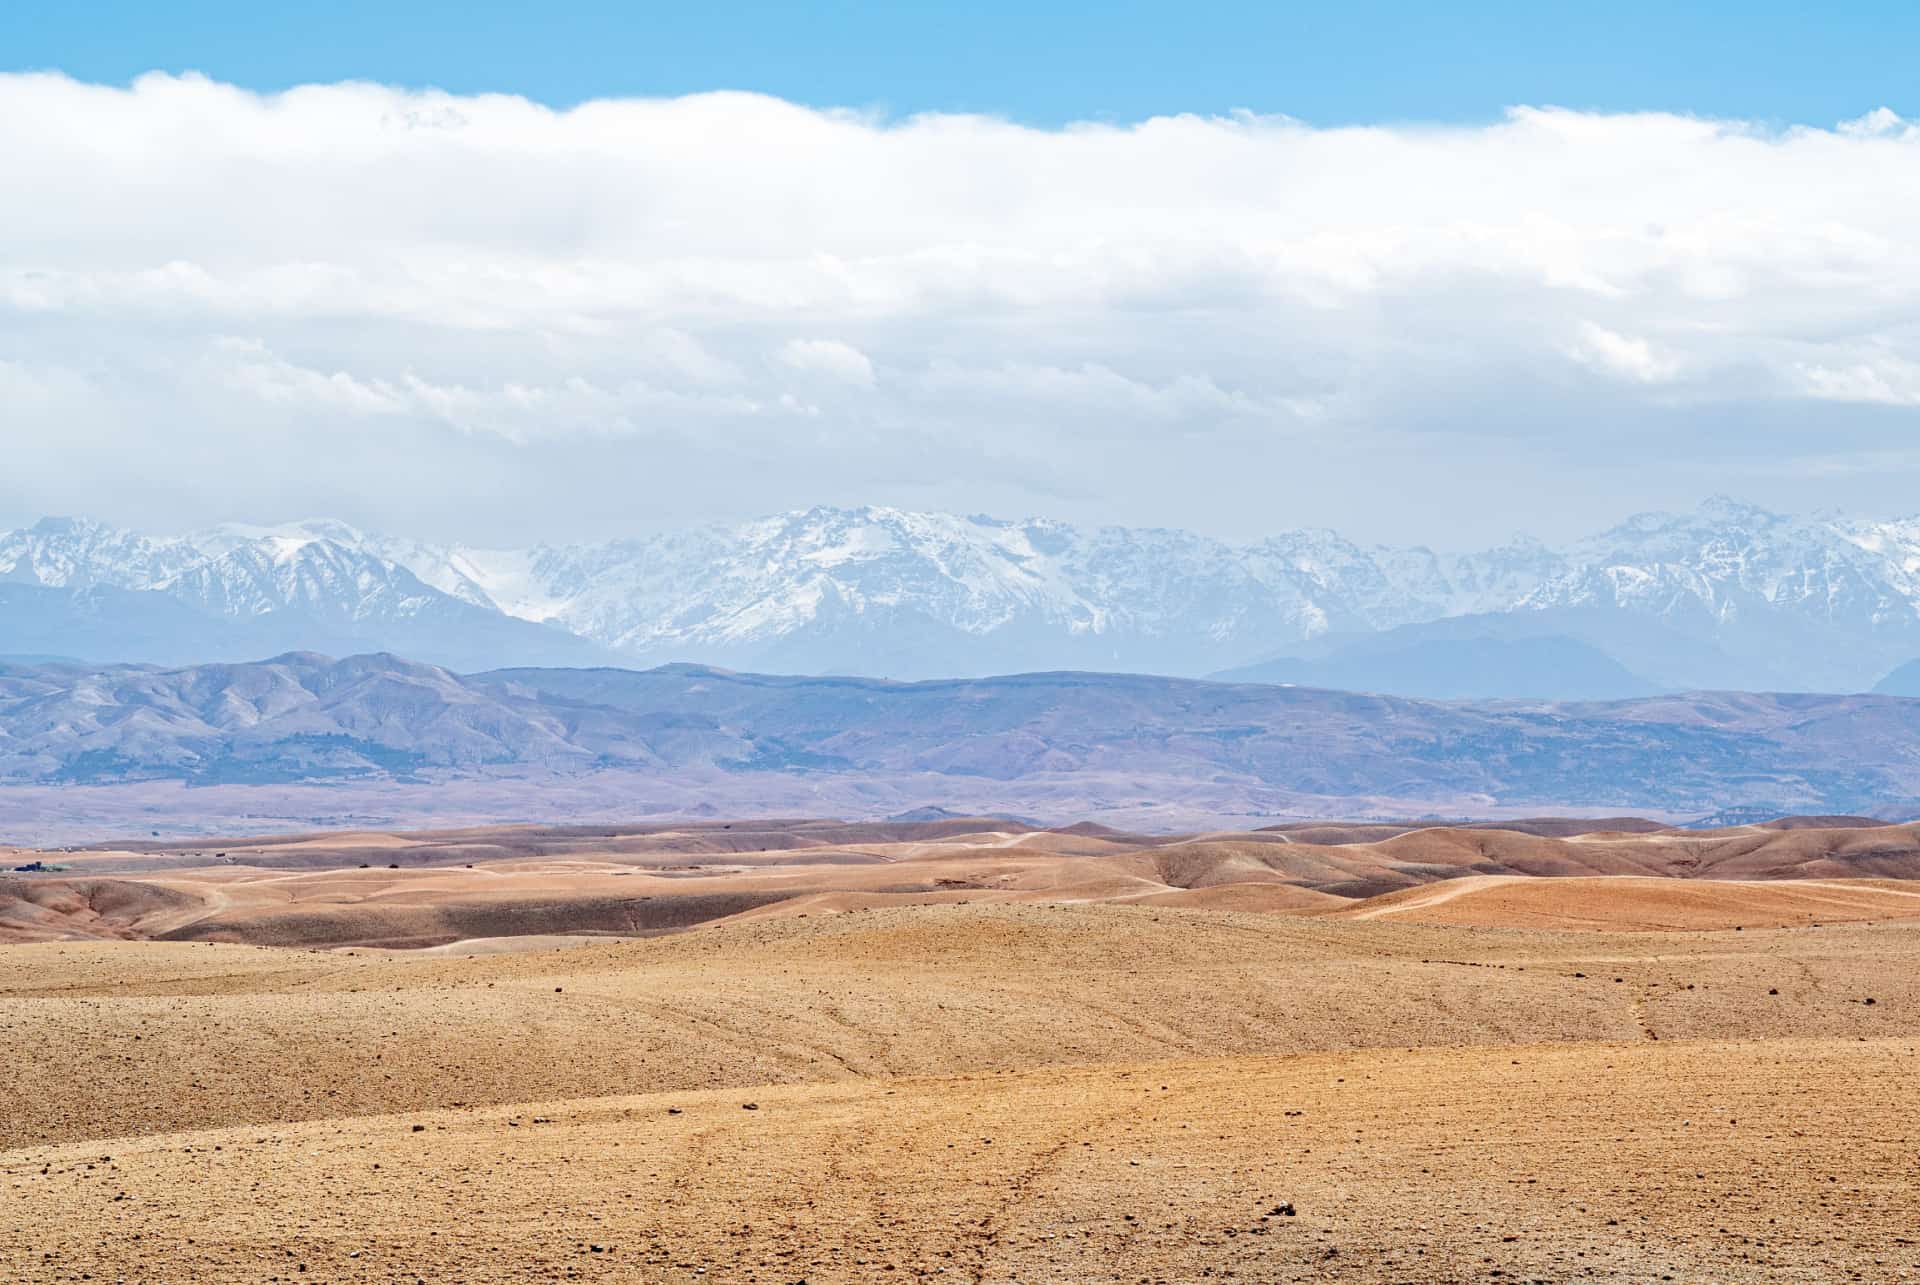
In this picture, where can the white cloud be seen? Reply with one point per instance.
(830, 358)
(1881, 122)
(248, 368)
(1624, 356)
(1144, 322)
(1886, 382)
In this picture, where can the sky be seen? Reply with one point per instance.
(1359, 62)
(1426, 274)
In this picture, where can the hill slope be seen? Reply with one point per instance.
(973, 1093)
(1062, 747)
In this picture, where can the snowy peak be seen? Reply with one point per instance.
(76, 553)
(279, 572)
(1725, 595)
(1738, 563)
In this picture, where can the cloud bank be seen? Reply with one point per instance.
(481, 317)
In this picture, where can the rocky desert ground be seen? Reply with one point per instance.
(967, 1050)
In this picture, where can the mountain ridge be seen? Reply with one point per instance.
(1728, 595)
(1064, 745)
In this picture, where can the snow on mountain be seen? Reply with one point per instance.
(321, 577)
(972, 594)
(1727, 595)
(71, 587)
(1822, 603)
(72, 553)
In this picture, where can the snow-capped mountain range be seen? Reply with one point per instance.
(1725, 596)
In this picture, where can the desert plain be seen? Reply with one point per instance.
(966, 1050)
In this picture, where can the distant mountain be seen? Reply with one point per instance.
(1055, 745)
(1903, 681)
(298, 717)
(99, 621)
(1726, 596)
(82, 589)
(1472, 668)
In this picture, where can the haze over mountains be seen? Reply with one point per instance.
(1728, 596)
(389, 740)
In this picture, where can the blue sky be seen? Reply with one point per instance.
(1043, 64)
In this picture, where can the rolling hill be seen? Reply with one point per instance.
(384, 738)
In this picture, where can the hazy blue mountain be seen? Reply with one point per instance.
(103, 623)
(1904, 681)
(1049, 744)
(1482, 668)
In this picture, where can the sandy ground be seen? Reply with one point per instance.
(153, 1037)
(1723, 1162)
(1064, 1075)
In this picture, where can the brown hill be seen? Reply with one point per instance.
(1631, 904)
(154, 1037)
(54, 909)
(1822, 823)
(426, 889)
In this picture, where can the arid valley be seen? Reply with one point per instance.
(967, 1050)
